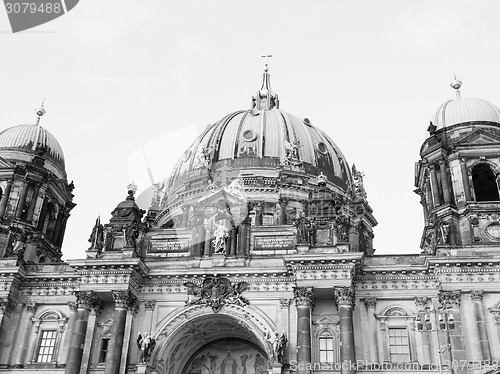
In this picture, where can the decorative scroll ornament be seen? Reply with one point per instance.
(344, 296)
(304, 296)
(31, 307)
(421, 302)
(448, 299)
(216, 291)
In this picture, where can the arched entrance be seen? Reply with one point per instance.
(197, 340)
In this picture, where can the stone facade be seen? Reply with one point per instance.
(257, 264)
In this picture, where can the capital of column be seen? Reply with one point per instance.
(284, 303)
(133, 304)
(85, 299)
(371, 302)
(6, 305)
(476, 295)
(150, 304)
(304, 296)
(73, 307)
(31, 307)
(343, 296)
(421, 302)
(121, 299)
(283, 200)
(449, 299)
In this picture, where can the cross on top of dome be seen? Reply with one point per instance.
(266, 98)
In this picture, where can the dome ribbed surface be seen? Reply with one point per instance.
(23, 137)
(245, 137)
(463, 110)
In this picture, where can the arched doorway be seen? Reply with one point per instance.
(228, 356)
(197, 340)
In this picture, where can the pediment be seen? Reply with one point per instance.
(232, 195)
(480, 137)
(325, 320)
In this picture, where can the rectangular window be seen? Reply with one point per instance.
(47, 345)
(104, 350)
(399, 344)
(326, 349)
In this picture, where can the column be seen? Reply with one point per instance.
(371, 304)
(63, 353)
(23, 335)
(6, 306)
(450, 301)
(344, 299)
(185, 213)
(58, 227)
(428, 194)
(200, 240)
(89, 337)
(22, 200)
(113, 358)
(248, 230)
(465, 179)
(63, 229)
(435, 187)
(477, 302)
(283, 202)
(84, 301)
(148, 318)
(5, 198)
(241, 240)
(208, 244)
(304, 301)
(133, 307)
(444, 181)
(423, 336)
(233, 242)
(34, 199)
(259, 205)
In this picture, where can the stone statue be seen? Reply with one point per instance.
(302, 228)
(108, 238)
(96, 237)
(221, 234)
(146, 344)
(277, 343)
(131, 235)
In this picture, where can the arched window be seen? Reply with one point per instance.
(327, 343)
(396, 325)
(46, 336)
(484, 181)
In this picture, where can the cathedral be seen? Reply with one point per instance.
(256, 256)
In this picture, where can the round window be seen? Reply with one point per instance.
(321, 147)
(493, 231)
(249, 135)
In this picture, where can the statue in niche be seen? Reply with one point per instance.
(342, 228)
(221, 234)
(146, 344)
(17, 246)
(108, 238)
(301, 223)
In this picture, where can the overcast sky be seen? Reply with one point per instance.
(118, 75)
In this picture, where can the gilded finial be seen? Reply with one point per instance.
(132, 189)
(456, 84)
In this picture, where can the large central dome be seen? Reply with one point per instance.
(265, 136)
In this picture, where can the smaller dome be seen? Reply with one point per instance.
(25, 136)
(464, 110)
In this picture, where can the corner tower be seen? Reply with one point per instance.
(35, 195)
(457, 176)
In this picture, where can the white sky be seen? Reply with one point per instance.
(120, 74)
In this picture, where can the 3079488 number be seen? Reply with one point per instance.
(33, 8)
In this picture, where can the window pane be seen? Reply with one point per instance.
(399, 344)
(47, 345)
(326, 353)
